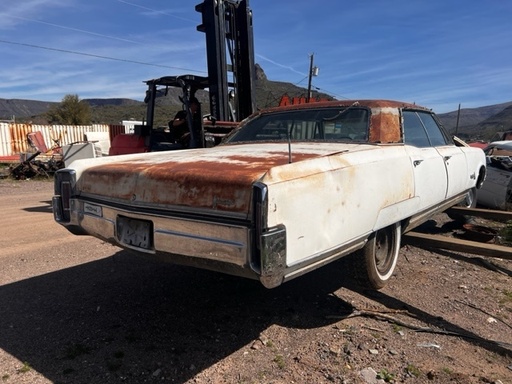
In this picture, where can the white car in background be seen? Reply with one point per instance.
(496, 191)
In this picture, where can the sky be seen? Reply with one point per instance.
(436, 53)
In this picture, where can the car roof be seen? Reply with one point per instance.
(505, 144)
(369, 103)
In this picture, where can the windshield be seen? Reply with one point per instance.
(320, 124)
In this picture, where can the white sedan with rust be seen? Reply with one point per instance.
(290, 190)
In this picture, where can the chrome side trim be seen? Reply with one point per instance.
(322, 259)
(421, 217)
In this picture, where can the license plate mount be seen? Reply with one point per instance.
(134, 233)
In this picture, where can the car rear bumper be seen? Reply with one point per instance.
(227, 243)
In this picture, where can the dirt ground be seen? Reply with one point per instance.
(77, 310)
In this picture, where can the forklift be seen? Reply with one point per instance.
(227, 25)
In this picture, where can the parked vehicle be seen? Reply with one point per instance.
(291, 189)
(228, 29)
(496, 191)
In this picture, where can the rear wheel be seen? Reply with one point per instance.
(375, 263)
(470, 199)
(468, 202)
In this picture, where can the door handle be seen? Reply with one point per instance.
(417, 162)
(446, 158)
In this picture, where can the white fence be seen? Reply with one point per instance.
(13, 137)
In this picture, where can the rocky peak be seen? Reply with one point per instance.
(260, 74)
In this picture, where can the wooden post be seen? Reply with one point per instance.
(424, 240)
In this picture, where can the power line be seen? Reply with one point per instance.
(332, 93)
(298, 82)
(132, 61)
(129, 41)
(73, 29)
(121, 39)
(99, 56)
(322, 90)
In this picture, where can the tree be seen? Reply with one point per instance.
(70, 111)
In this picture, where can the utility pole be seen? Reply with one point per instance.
(457, 125)
(313, 71)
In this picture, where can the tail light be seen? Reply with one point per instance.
(260, 205)
(269, 244)
(65, 180)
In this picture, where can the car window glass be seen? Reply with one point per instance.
(414, 131)
(323, 124)
(433, 130)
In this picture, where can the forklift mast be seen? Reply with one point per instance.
(227, 25)
(229, 48)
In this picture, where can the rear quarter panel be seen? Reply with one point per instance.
(476, 163)
(327, 202)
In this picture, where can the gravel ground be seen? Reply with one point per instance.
(77, 310)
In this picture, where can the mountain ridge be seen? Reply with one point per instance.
(474, 123)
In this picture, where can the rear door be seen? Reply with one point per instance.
(453, 157)
(430, 174)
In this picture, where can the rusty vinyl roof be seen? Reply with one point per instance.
(370, 103)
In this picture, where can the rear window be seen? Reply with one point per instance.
(321, 124)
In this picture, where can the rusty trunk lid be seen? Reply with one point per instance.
(214, 179)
